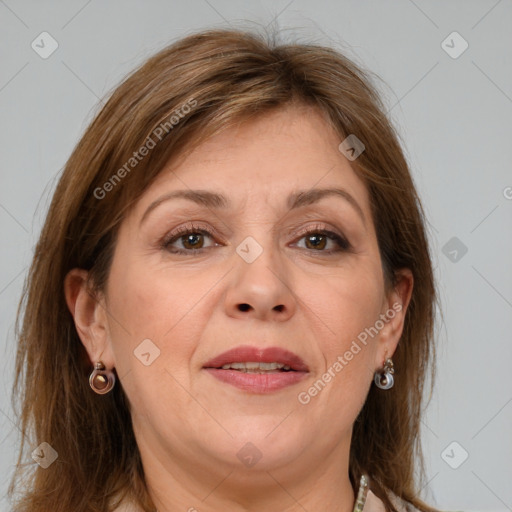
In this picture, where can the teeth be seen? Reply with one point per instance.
(250, 366)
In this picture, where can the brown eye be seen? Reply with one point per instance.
(316, 241)
(193, 241)
(188, 240)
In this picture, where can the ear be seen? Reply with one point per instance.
(393, 314)
(90, 316)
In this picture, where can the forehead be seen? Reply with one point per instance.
(264, 159)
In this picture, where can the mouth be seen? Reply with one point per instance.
(255, 367)
(257, 370)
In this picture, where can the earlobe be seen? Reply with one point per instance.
(89, 316)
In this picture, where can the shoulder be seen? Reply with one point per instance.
(375, 504)
(402, 505)
(128, 506)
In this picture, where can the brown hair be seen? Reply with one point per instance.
(224, 76)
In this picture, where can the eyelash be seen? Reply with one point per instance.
(189, 229)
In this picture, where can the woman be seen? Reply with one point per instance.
(231, 303)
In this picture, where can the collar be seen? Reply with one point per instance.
(373, 504)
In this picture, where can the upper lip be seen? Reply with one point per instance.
(246, 354)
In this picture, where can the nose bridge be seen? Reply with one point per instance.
(259, 286)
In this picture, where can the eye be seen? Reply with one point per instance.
(318, 238)
(187, 239)
(192, 239)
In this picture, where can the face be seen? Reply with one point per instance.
(262, 267)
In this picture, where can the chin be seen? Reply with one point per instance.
(263, 447)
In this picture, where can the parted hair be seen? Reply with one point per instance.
(208, 81)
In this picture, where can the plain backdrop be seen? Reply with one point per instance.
(446, 69)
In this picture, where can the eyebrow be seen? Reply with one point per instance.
(295, 200)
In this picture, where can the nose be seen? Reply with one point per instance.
(261, 289)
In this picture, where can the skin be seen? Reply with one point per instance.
(189, 426)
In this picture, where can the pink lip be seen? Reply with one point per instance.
(254, 382)
(246, 353)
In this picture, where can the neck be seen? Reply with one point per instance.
(199, 487)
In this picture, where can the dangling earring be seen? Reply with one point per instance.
(385, 379)
(101, 380)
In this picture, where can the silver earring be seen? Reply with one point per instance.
(385, 379)
(101, 380)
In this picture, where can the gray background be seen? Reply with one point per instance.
(454, 115)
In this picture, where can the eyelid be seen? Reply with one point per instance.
(319, 226)
(190, 226)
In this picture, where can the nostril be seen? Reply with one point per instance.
(279, 308)
(244, 307)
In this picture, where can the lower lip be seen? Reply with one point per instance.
(257, 382)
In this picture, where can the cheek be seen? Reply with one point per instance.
(155, 326)
(348, 304)
(147, 302)
(157, 304)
